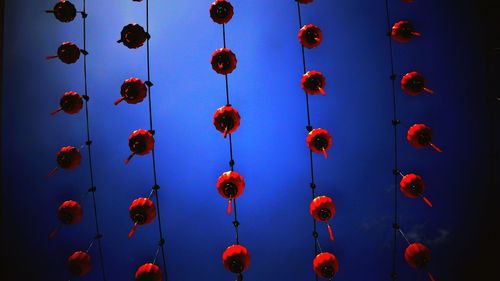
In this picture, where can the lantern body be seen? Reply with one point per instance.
(304, 1)
(226, 119)
(133, 36)
(230, 185)
(69, 157)
(221, 11)
(403, 31)
(70, 212)
(419, 136)
(64, 11)
(79, 263)
(141, 142)
(310, 36)
(223, 61)
(412, 186)
(417, 255)
(236, 259)
(413, 83)
(322, 208)
(133, 90)
(148, 272)
(325, 265)
(313, 82)
(71, 102)
(319, 140)
(142, 211)
(68, 52)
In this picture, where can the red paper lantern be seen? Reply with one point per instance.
(304, 1)
(223, 61)
(70, 102)
(142, 211)
(319, 141)
(148, 272)
(420, 136)
(79, 263)
(133, 91)
(68, 53)
(325, 265)
(226, 120)
(407, 1)
(70, 212)
(313, 82)
(310, 36)
(323, 209)
(64, 11)
(140, 142)
(403, 31)
(418, 256)
(413, 186)
(133, 36)
(68, 158)
(236, 259)
(413, 83)
(221, 11)
(230, 185)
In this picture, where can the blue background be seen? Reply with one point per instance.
(269, 147)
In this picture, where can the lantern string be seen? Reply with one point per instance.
(404, 236)
(91, 244)
(156, 255)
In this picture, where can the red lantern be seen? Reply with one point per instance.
(68, 53)
(148, 272)
(230, 185)
(313, 82)
(413, 83)
(142, 211)
(418, 256)
(68, 158)
(64, 11)
(70, 102)
(236, 259)
(420, 136)
(226, 120)
(310, 36)
(319, 141)
(407, 1)
(325, 265)
(133, 91)
(323, 209)
(413, 186)
(221, 11)
(403, 31)
(79, 263)
(304, 1)
(140, 142)
(133, 36)
(69, 212)
(223, 61)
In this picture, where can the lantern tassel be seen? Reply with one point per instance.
(428, 90)
(54, 232)
(414, 33)
(322, 91)
(436, 148)
(132, 231)
(330, 232)
(229, 206)
(225, 132)
(55, 111)
(325, 153)
(51, 173)
(431, 277)
(119, 100)
(129, 158)
(427, 201)
(51, 57)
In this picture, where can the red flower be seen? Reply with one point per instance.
(403, 31)
(230, 185)
(313, 82)
(148, 272)
(310, 36)
(226, 120)
(70, 212)
(133, 36)
(319, 141)
(140, 142)
(420, 135)
(304, 1)
(70, 102)
(133, 91)
(79, 263)
(326, 265)
(68, 53)
(221, 11)
(413, 83)
(413, 186)
(142, 211)
(223, 61)
(64, 11)
(236, 259)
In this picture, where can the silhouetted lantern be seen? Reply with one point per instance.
(407, 1)
(70, 102)
(413, 186)
(64, 11)
(226, 120)
(323, 209)
(140, 142)
(68, 158)
(413, 83)
(325, 265)
(148, 272)
(403, 31)
(418, 256)
(420, 136)
(236, 259)
(69, 212)
(304, 1)
(133, 36)
(79, 263)
(319, 141)
(133, 91)
(223, 61)
(221, 11)
(313, 82)
(142, 211)
(68, 53)
(310, 36)
(230, 185)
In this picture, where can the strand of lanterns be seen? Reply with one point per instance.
(226, 120)
(417, 255)
(141, 142)
(70, 212)
(322, 208)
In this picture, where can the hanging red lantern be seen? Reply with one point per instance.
(230, 185)
(148, 272)
(69, 212)
(323, 209)
(407, 1)
(319, 141)
(223, 61)
(313, 82)
(325, 265)
(304, 1)
(310, 36)
(418, 256)
(133, 91)
(413, 186)
(79, 263)
(68, 53)
(140, 142)
(420, 136)
(413, 83)
(221, 11)
(70, 102)
(68, 158)
(236, 259)
(64, 11)
(226, 120)
(133, 36)
(142, 211)
(403, 31)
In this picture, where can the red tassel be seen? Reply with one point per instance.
(132, 231)
(436, 148)
(431, 277)
(330, 232)
(429, 90)
(119, 100)
(414, 33)
(225, 132)
(129, 158)
(427, 201)
(55, 111)
(325, 153)
(54, 232)
(229, 206)
(51, 173)
(51, 57)
(322, 91)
